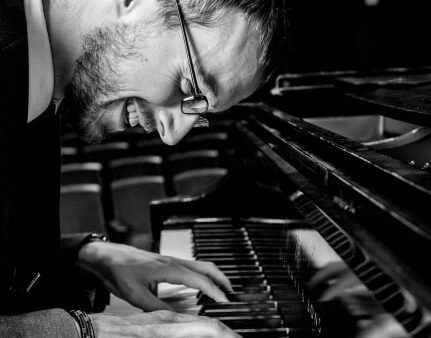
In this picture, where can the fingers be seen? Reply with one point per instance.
(179, 274)
(208, 269)
(161, 316)
(145, 300)
(342, 285)
(201, 328)
(327, 273)
(384, 326)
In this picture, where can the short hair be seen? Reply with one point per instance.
(269, 17)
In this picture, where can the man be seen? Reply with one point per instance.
(116, 63)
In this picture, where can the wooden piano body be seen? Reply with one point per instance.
(301, 199)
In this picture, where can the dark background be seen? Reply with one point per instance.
(349, 34)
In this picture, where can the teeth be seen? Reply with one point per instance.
(202, 123)
(133, 119)
(134, 113)
(130, 104)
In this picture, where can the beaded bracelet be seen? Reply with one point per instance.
(84, 322)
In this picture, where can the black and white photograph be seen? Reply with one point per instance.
(215, 169)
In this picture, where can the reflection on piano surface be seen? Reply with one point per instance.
(320, 235)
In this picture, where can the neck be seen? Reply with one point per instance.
(64, 36)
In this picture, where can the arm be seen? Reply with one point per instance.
(41, 324)
(70, 246)
(81, 290)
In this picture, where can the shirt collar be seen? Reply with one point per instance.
(41, 69)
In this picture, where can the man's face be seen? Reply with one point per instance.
(139, 75)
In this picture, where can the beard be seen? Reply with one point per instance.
(96, 80)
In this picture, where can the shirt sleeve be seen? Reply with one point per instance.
(51, 323)
(70, 246)
(81, 290)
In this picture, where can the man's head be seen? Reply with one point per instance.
(132, 66)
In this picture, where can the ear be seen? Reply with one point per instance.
(132, 10)
(124, 7)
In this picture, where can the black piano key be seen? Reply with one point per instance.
(219, 231)
(251, 288)
(252, 322)
(252, 306)
(243, 273)
(240, 312)
(286, 296)
(220, 236)
(222, 243)
(277, 279)
(208, 256)
(247, 280)
(263, 333)
(232, 260)
(301, 333)
(239, 297)
(210, 250)
(213, 226)
(243, 267)
(292, 321)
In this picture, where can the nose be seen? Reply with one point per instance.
(173, 125)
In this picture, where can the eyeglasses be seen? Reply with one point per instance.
(197, 103)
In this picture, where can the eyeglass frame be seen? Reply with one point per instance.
(196, 93)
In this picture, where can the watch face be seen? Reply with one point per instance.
(98, 237)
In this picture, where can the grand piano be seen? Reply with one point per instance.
(323, 224)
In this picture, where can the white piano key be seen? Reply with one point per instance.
(175, 243)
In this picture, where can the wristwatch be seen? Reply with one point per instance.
(89, 238)
(95, 237)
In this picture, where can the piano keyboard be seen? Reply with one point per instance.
(269, 263)
(266, 302)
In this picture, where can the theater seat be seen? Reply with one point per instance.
(207, 140)
(131, 204)
(106, 152)
(81, 208)
(135, 166)
(193, 160)
(153, 146)
(129, 135)
(79, 173)
(193, 182)
(69, 155)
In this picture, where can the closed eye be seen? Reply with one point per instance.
(186, 87)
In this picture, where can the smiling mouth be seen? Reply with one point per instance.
(135, 114)
(124, 113)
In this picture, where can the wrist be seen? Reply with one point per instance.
(91, 255)
(84, 324)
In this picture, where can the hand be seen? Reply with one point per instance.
(334, 280)
(159, 324)
(129, 273)
(383, 326)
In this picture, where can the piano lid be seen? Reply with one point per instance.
(379, 201)
(410, 103)
(399, 93)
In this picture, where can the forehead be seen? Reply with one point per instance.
(228, 58)
(225, 57)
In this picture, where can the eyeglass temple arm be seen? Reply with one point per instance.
(195, 88)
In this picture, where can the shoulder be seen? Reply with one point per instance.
(13, 54)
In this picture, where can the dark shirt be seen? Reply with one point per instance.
(30, 243)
